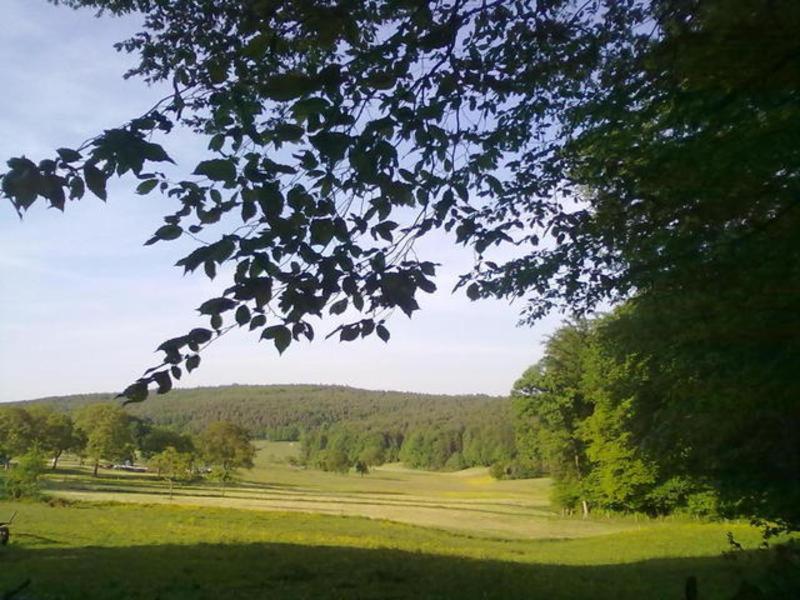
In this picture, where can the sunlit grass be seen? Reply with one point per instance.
(396, 533)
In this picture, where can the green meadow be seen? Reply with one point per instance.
(286, 532)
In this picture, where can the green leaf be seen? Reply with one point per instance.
(331, 145)
(169, 232)
(380, 81)
(68, 155)
(76, 188)
(258, 321)
(217, 169)
(248, 210)
(280, 335)
(242, 315)
(382, 332)
(164, 381)
(288, 86)
(349, 333)
(95, 181)
(322, 231)
(200, 335)
(217, 72)
(155, 153)
(136, 392)
(146, 186)
(339, 307)
(287, 132)
(192, 362)
(310, 106)
(216, 306)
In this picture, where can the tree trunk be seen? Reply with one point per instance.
(585, 507)
(170, 489)
(55, 459)
(96, 465)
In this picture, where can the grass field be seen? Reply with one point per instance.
(285, 532)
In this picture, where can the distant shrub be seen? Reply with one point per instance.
(703, 504)
(514, 469)
(683, 495)
(498, 470)
(335, 460)
(456, 462)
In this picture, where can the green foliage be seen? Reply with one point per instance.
(334, 459)
(172, 465)
(23, 479)
(477, 435)
(642, 408)
(284, 411)
(551, 406)
(17, 432)
(106, 429)
(159, 439)
(226, 447)
(27, 427)
(54, 431)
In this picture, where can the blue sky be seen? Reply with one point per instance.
(85, 304)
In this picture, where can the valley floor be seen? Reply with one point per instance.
(286, 532)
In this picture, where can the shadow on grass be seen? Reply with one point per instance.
(270, 570)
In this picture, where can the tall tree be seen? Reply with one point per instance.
(54, 432)
(17, 433)
(107, 433)
(158, 439)
(226, 447)
(551, 405)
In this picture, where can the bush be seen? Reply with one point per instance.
(703, 504)
(23, 480)
(335, 460)
(455, 462)
(515, 469)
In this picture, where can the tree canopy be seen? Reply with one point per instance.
(107, 432)
(631, 412)
(226, 447)
(616, 146)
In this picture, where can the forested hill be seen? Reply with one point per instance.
(282, 411)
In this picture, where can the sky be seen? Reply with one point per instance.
(85, 304)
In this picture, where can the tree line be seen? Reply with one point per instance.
(105, 434)
(483, 437)
(639, 411)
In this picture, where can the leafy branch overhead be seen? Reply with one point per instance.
(340, 133)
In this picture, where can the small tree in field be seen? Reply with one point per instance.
(362, 468)
(171, 466)
(226, 447)
(336, 460)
